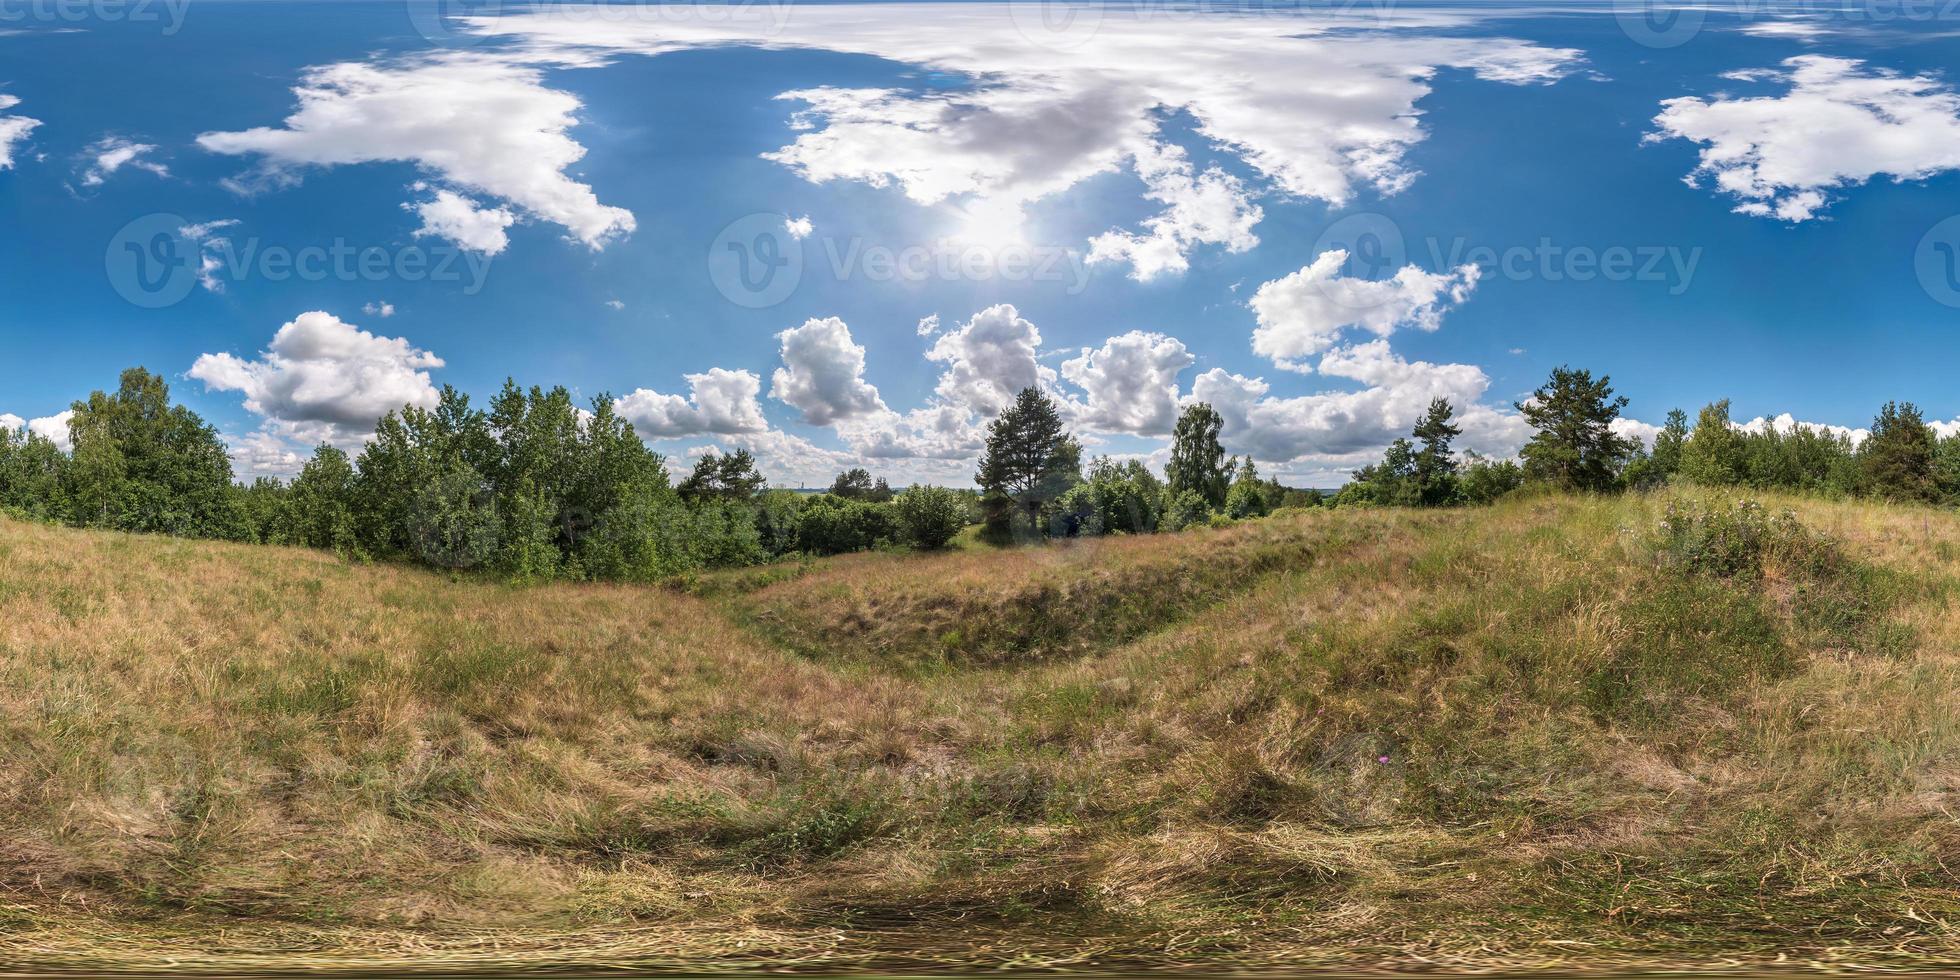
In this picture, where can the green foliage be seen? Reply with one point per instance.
(930, 517)
(730, 477)
(1184, 510)
(1738, 540)
(1030, 461)
(1434, 466)
(856, 484)
(834, 525)
(1198, 462)
(1575, 447)
(1897, 457)
(1249, 496)
(1716, 455)
(1117, 498)
(1483, 481)
(141, 464)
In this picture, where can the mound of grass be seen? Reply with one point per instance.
(1018, 607)
(1558, 732)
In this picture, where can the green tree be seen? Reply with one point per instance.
(1198, 460)
(1030, 461)
(1668, 444)
(930, 517)
(1897, 458)
(1248, 495)
(30, 475)
(856, 484)
(319, 505)
(732, 477)
(1434, 471)
(142, 464)
(1575, 447)
(1716, 454)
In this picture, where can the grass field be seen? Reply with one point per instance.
(1519, 736)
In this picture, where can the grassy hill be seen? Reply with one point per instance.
(1556, 732)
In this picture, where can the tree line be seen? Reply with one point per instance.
(1574, 448)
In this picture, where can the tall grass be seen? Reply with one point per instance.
(1555, 732)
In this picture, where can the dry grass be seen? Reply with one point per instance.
(1469, 739)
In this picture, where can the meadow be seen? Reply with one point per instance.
(1561, 731)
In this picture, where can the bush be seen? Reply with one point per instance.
(1186, 510)
(833, 526)
(929, 517)
(1738, 540)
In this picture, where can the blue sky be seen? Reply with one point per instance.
(1133, 206)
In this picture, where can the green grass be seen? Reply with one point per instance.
(1551, 733)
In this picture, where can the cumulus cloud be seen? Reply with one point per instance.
(382, 309)
(989, 359)
(54, 428)
(823, 374)
(1838, 124)
(719, 402)
(1209, 208)
(1130, 383)
(1787, 423)
(1304, 313)
(1041, 119)
(13, 130)
(928, 325)
(799, 228)
(463, 221)
(1349, 428)
(112, 153)
(479, 125)
(11, 422)
(327, 375)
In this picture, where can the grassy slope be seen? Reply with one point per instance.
(1478, 737)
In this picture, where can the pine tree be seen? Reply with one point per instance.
(1575, 447)
(1897, 458)
(1030, 460)
(1435, 464)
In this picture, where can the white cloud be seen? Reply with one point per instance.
(210, 246)
(471, 226)
(799, 228)
(1838, 125)
(1041, 119)
(13, 130)
(989, 359)
(823, 374)
(1349, 428)
(1627, 428)
(11, 422)
(1800, 30)
(721, 402)
(1131, 383)
(615, 305)
(328, 379)
(382, 309)
(112, 153)
(54, 428)
(481, 125)
(928, 325)
(264, 453)
(1304, 313)
(1787, 423)
(1209, 208)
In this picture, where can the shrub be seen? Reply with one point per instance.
(1185, 510)
(929, 517)
(833, 526)
(1737, 540)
